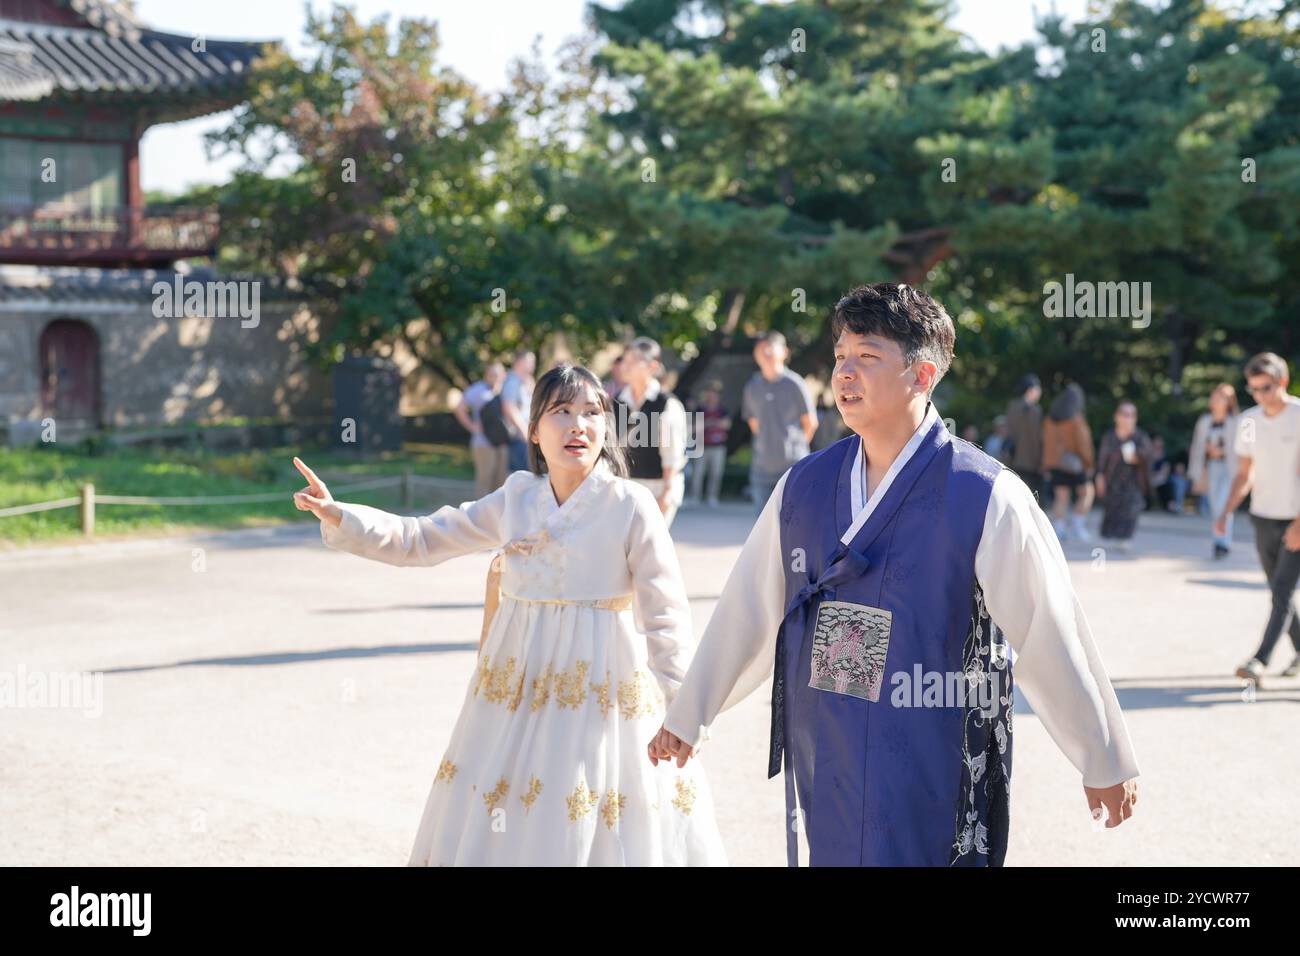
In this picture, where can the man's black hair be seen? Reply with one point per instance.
(919, 324)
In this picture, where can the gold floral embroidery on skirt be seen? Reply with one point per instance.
(498, 793)
(498, 683)
(602, 695)
(636, 698)
(542, 689)
(571, 686)
(529, 798)
(613, 807)
(446, 771)
(685, 798)
(581, 802)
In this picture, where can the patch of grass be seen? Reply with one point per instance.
(47, 472)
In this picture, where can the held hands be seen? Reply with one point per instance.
(1118, 800)
(667, 745)
(316, 498)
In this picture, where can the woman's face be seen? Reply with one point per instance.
(570, 434)
(1219, 403)
(1126, 419)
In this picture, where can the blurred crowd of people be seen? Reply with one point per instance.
(1129, 471)
(666, 445)
(1233, 454)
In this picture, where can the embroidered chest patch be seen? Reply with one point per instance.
(850, 643)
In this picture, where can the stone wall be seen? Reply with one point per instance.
(159, 371)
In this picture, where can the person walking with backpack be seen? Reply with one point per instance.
(1068, 461)
(488, 437)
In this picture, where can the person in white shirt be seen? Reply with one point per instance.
(489, 459)
(1268, 469)
(651, 423)
(920, 576)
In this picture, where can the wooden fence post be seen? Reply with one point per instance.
(88, 509)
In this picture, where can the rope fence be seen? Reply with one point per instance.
(88, 499)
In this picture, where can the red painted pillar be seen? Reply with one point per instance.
(134, 194)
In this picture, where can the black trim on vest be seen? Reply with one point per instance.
(983, 813)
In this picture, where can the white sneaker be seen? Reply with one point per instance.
(1078, 529)
(1252, 671)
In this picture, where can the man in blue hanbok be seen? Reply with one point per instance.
(883, 588)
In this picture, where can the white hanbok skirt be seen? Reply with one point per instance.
(547, 763)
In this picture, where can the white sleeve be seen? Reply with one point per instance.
(659, 594)
(418, 542)
(1243, 443)
(672, 442)
(1027, 589)
(735, 655)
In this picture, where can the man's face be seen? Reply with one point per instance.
(636, 370)
(1267, 390)
(770, 355)
(527, 364)
(872, 381)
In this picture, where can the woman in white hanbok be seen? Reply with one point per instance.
(546, 764)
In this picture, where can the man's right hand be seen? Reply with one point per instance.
(1221, 525)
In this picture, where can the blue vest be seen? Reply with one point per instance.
(921, 776)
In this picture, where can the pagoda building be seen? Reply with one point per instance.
(104, 319)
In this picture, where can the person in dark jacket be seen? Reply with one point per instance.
(1025, 434)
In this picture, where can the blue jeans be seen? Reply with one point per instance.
(761, 487)
(517, 456)
(1218, 485)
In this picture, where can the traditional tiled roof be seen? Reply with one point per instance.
(118, 59)
(43, 286)
(20, 78)
(108, 15)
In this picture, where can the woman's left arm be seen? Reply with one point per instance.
(659, 592)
